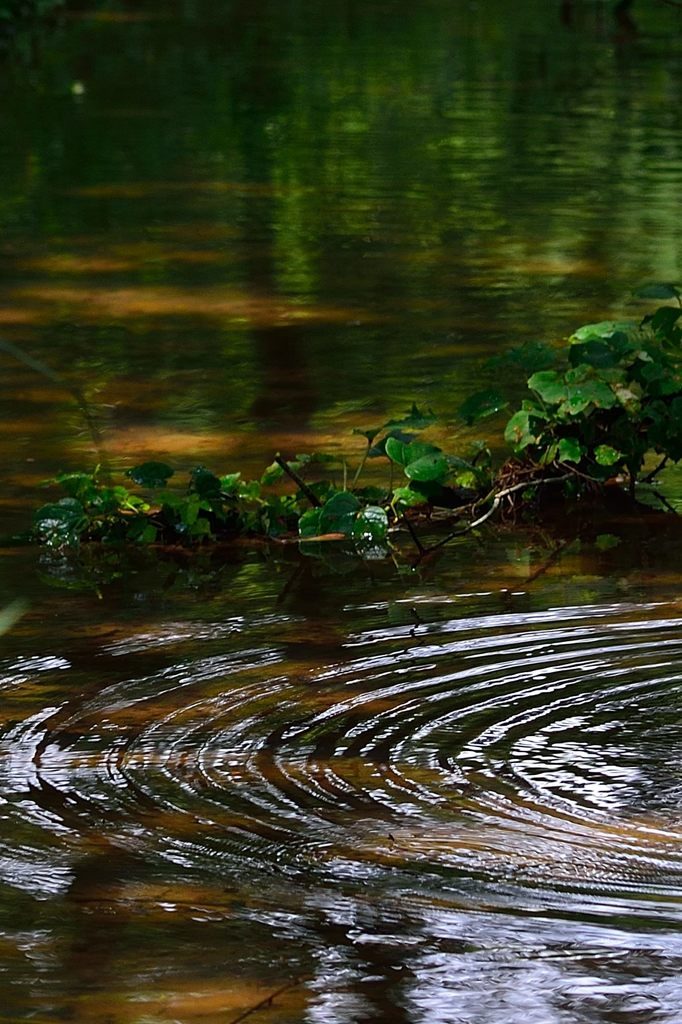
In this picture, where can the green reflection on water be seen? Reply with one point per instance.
(245, 218)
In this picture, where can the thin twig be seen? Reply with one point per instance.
(361, 466)
(654, 472)
(497, 499)
(664, 501)
(266, 1001)
(73, 389)
(549, 562)
(413, 534)
(310, 495)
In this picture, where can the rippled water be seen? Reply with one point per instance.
(454, 805)
(380, 793)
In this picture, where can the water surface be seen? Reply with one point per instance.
(447, 792)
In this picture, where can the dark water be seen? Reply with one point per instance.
(449, 793)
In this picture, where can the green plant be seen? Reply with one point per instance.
(619, 398)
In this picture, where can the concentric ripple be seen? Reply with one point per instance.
(535, 750)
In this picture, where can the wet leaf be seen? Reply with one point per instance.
(549, 386)
(141, 531)
(429, 468)
(379, 448)
(338, 515)
(272, 474)
(518, 431)
(151, 474)
(371, 524)
(229, 484)
(605, 455)
(591, 392)
(604, 330)
(205, 483)
(61, 522)
(396, 451)
(309, 523)
(406, 497)
(569, 450)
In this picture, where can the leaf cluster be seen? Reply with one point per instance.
(619, 398)
(616, 398)
(212, 507)
(208, 508)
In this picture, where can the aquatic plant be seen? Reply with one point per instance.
(595, 411)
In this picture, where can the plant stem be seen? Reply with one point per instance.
(360, 468)
(420, 547)
(74, 390)
(310, 495)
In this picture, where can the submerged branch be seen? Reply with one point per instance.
(267, 1001)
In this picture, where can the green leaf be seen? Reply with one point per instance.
(591, 392)
(663, 322)
(429, 468)
(604, 330)
(309, 523)
(200, 528)
(594, 353)
(605, 455)
(230, 483)
(248, 490)
(396, 451)
(338, 515)
(606, 541)
(379, 448)
(482, 404)
(141, 531)
(371, 524)
(151, 474)
(569, 450)
(61, 522)
(549, 386)
(271, 474)
(205, 483)
(518, 432)
(406, 497)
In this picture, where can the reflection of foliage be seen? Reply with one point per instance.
(414, 161)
